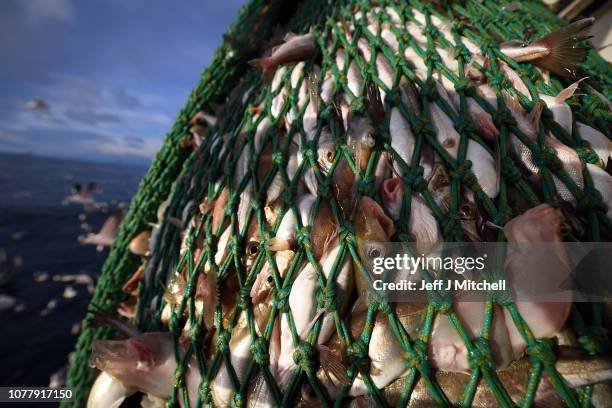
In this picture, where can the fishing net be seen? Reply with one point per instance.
(186, 177)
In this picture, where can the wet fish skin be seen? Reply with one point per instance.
(296, 48)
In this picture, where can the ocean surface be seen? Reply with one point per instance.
(40, 330)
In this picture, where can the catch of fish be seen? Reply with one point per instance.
(358, 142)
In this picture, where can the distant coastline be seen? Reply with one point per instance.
(137, 162)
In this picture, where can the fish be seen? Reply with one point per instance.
(422, 225)
(469, 216)
(484, 167)
(602, 181)
(140, 244)
(562, 113)
(571, 164)
(557, 52)
(107, 234)
(536, 260)
(303, 299)
(143, 362)
(599, 142)
(296, 48)
(108, 392)
(446, 133)
(576, 371)
(439, 185)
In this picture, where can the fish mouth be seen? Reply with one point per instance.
(371, 208)
(392, 189)
(120, 355)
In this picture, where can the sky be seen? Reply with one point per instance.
(109, 75)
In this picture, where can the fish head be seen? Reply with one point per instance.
(373, 229)
(122, 357)
(252, 246)
(326, 152)
(469, 217)
(543, 223)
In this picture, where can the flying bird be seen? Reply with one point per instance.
(108, 232)
(81, 194)
(37, 103)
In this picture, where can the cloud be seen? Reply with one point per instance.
(134, 141)
(125, 99)
(37, 11)
(91, 117)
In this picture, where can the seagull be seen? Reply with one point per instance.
(8, 266)
(81, 194)
(108, 232)
(37, 103)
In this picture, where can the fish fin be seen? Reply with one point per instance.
(332, 365)
(102, 318)
(564, 57)
(266, 66)
(511, 102)
(568, 92)
(375, 105)
(534, 116)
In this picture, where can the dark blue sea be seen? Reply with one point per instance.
(38, 333)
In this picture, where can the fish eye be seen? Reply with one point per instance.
(465, 209)
(270, 279)
(374, 253)
(330, 156)
(253, 248)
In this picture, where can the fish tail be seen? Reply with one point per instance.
(564, 57)
(266, 65)
(332, 365)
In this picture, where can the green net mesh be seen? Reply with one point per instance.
(277, 148)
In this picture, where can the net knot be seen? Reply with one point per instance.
(302, 236)
(223, 337)
(259, 350)
(418, 358)
(587, 154)
(357, 354)
(429, 90)
(596, 342)
(464, 125)
(451, 225)
(346, 233)
(324, 189)
(415, 179)
(546, 157)
(441, 303)
(384, 307)
(595, 106)
(205, 392)
(422, 127)
(591, 200)
(238, 400)
(541, 350)
(499, 81)
(504, 214)
(465, 86)
(303, 357)
(481, 355)
(244, 298)
(510, 172)
(281, 299)
(503, 117)
(326, 297)
(179, 374)
(366, 187)
(463, 174)
(277, 158)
